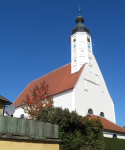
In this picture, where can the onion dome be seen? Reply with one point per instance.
(80, 27)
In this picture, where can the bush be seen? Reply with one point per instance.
(114, 144)
(77, 132)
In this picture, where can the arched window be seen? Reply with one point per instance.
(90, 111)
(102, 114)
(22, 116)
(114, 136)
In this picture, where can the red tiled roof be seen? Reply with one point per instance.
(59, 80)
(108, 125)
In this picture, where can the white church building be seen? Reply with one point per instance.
(79, 85)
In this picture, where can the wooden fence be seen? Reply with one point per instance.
(25, 127)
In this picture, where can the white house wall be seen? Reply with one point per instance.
(18, 112)
(64, 100)
(91, 92)
(120, 136)
(110, 135)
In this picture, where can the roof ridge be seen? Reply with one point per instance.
(50, 72)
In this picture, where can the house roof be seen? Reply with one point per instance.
(5, 100)
(59, 80)
(110, 126)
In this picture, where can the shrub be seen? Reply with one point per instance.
(114, 144)
(77, 132)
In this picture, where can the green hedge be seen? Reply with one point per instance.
(75, 132)
(114, 144)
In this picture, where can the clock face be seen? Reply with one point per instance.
(88, 46)
(74, 46)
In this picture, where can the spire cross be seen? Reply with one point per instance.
(79, 10)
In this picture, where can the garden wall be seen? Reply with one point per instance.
(15, 143)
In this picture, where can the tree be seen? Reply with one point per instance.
(39, 103)
(124, 127)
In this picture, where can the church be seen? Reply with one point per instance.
(79, 85)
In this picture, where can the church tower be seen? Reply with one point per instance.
(81, 45)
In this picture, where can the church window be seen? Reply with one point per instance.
(22, 116)
(74, 40)
(90, 111)
(101, 114)
(88, 39)
(114, 136)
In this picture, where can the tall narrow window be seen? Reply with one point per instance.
(74, 40)
(88, 39)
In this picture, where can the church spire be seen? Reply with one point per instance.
(80, 27)
(81, 45)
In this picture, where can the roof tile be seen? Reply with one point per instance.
(108, 125)
(59, 80)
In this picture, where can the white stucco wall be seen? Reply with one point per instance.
(63, 100)
(91, 92)
(18, 112)
(80, 49)
(110, 135)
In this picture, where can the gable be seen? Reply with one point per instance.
(59, 80)
(91, 93)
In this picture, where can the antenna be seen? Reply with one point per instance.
(10, 110)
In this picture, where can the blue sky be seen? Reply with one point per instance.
(34, 40)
